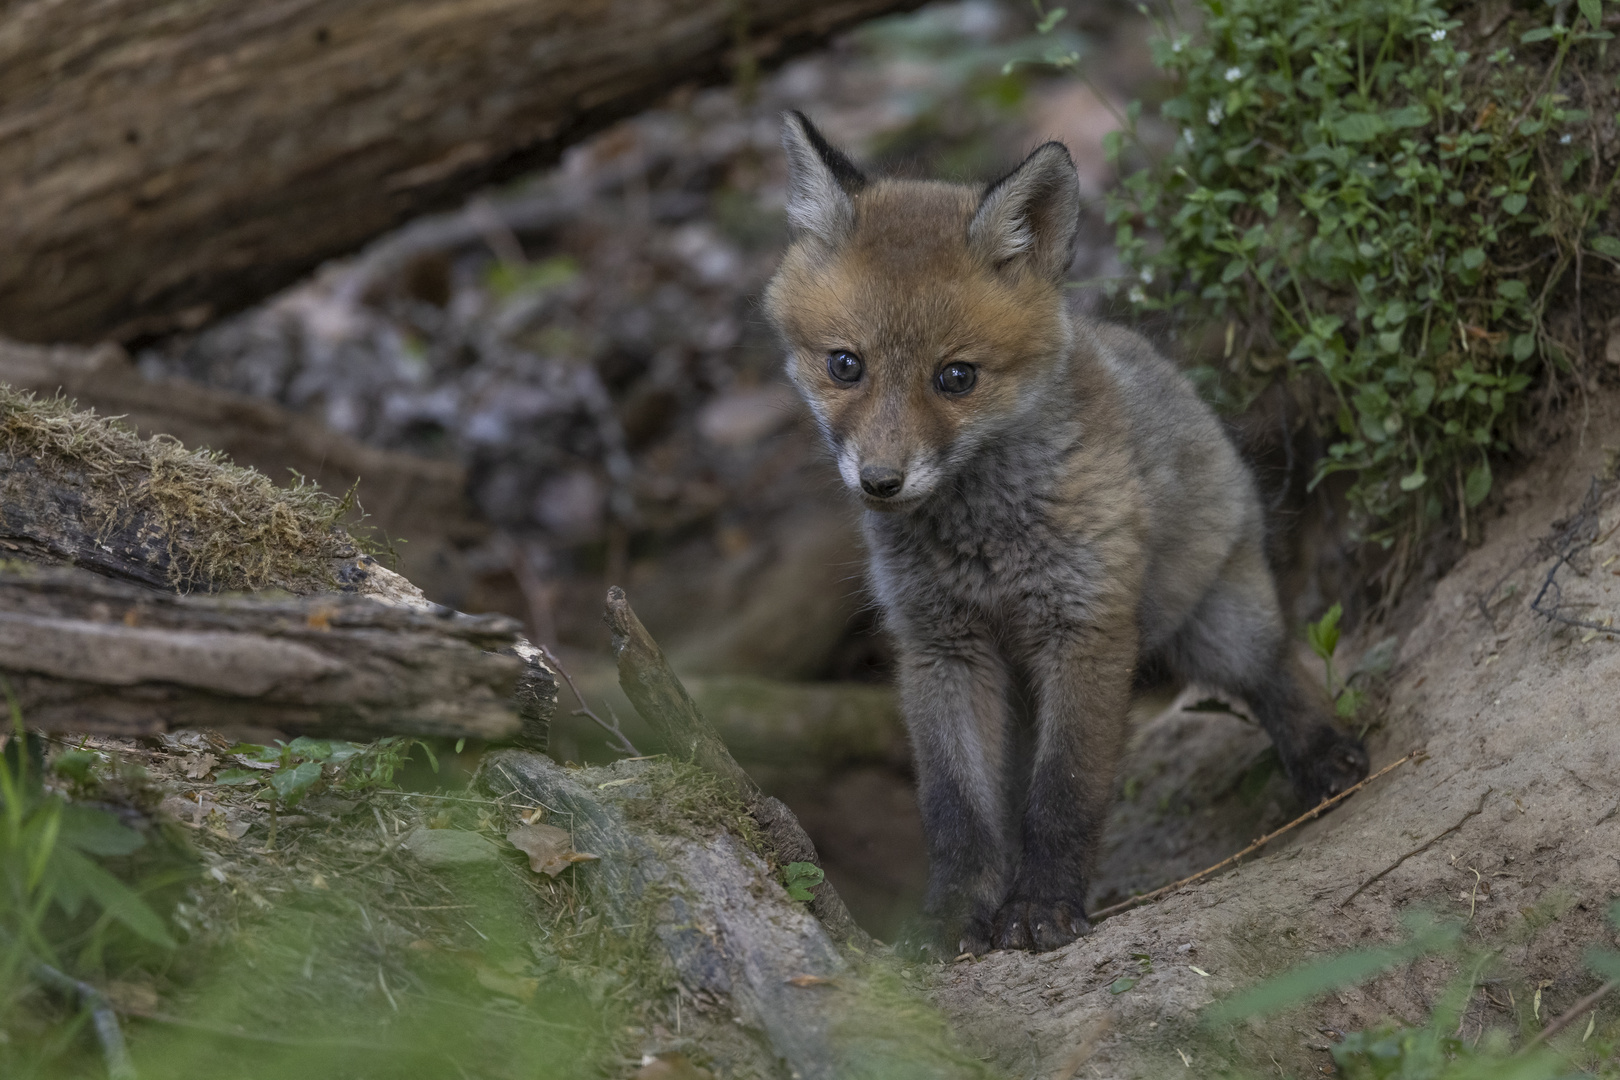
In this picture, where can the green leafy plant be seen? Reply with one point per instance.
(1323, 636)
(800, 878)
(303, 763)
(1365, 204)
(49, 852)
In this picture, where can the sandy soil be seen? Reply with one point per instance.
(1516, 714)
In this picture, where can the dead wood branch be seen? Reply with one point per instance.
(165, 162)
(86, 654)
(1315, 812)
(656, 692)
(1420, 849)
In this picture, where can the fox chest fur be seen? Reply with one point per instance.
(1048, 503)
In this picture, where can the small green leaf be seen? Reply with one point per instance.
(1053, 17)
(1523, 346)
(1359, 127)
(1540, 33)
(1478, 484)
(1414, 480)
(310, 749)
(239, 776)
(800, 878)
(1122, 984)
(1323, 634)
(291, 784)
(1514, 203)
(1473, 258)
(1512, 289)
(1593, 10)
(1410, 117)
(1606, 245)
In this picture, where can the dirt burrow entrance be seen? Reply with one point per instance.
(1521, 786)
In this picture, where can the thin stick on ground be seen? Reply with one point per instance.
(1421, 848)
(1574, 1012)
(1316, 811)
(624, 744)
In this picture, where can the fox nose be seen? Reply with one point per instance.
(881, 482)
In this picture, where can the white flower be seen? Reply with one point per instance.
(1137, 296)
(1187, 133)
(1217, 113)
(1565, 139)
(1175, 46)
(1146, 275)
(1438, 35)
(1233, 74)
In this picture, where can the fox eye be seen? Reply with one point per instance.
(957, 378)
(844, 366)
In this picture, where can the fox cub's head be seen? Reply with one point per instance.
(921, 319)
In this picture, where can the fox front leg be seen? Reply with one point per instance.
(954, 696)
(1082, 682)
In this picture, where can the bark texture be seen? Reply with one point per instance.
(87, 654)
(161, 163)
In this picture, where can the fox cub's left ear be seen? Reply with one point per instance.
(1032, 214)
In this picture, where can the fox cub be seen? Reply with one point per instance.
(1049, 506)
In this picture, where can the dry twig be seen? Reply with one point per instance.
(1572, 1013)
(1421, 848)
(1316, 811)
(625, 745)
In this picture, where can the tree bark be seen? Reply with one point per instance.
(83, 653)
(164, 162)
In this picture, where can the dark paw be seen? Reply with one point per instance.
(1037, 925)
(1331, 762)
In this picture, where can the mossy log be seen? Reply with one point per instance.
(405, 497)
(653, 688)
(100, 533)
(83, 653)
(165, 161)
(726, 925)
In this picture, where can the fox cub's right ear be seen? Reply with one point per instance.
(821, 181)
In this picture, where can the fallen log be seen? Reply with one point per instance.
(404, 497)
(87, 654)
(653, 688)
(726, 925)
(100, 534)
(162, 163)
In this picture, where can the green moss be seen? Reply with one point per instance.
(226, 527)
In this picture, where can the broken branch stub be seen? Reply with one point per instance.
(653, 688)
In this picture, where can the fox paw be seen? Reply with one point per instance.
(942, 940)
(1038, 925)
(1331, 762)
